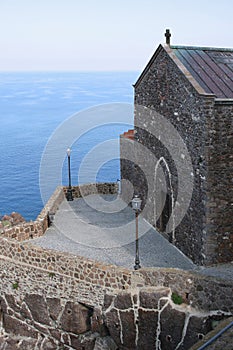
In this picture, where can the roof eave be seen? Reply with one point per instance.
(145, 70)
(224, 101)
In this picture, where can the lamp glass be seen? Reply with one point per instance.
(136, 203)
(68, 152)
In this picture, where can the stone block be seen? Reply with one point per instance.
(25, 312)
(76, 318)
(97, 322)
(54, 307)
(17, 327)
(128, 328)
(149, 297)
(171, 324)
(12, 303)
(85, 341)
(13, 344)
(147, 329)
(197, 327)
(38, 308)
(123, 301)
(108, 299)
(105, 343)
(114, 325)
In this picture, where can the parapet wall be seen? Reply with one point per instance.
(37, 228)
(94, 188)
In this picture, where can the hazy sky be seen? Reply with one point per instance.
(105, 34)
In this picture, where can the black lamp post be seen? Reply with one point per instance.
(69, 195)
(136, 205)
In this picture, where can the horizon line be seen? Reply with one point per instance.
(68, 71)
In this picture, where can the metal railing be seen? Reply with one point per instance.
(216, 336)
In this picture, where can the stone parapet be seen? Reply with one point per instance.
(37, 228)
(94, 188)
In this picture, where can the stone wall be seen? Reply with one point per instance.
(64, 300)
(216, 342)
(95, 274)
(37, 228)
(41, 309)
(150, 318)
(95, 188)
(220, 182)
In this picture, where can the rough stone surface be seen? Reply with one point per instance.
(39, 313)
(224, 341)
(106, 343)
(17, 343)
(76, 318)
(153, 321)
(172, 323)
(54, 308)
(17, 327)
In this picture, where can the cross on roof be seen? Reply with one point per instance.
(168, 36)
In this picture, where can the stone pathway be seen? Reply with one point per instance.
(103, 228)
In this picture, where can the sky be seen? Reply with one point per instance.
(99, 35)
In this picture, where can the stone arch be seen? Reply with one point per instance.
(164, 202)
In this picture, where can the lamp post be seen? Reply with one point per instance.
(69, 195)
(136, 205)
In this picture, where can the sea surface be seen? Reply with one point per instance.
(32, 107)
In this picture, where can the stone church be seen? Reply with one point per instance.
(179, 157)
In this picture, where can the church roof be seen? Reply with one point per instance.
(212, 68)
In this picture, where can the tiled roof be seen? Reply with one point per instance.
(212, 68)
(128, 134)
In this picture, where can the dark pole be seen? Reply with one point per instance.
(137, 260)
(69, 171)
(69, 195)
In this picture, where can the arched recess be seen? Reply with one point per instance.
(164, 220)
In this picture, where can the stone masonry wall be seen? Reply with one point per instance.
(37, 228)
(95, 188)
(165, 89)
(68, 302)
(111, 277)
(130, 170)
(220, 183)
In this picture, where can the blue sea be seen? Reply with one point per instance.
(34, 108)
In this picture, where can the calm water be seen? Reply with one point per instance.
(32, 106)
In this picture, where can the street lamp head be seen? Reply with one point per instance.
(68, 151)
(136, 203)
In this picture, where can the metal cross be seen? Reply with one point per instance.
(168, 36)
